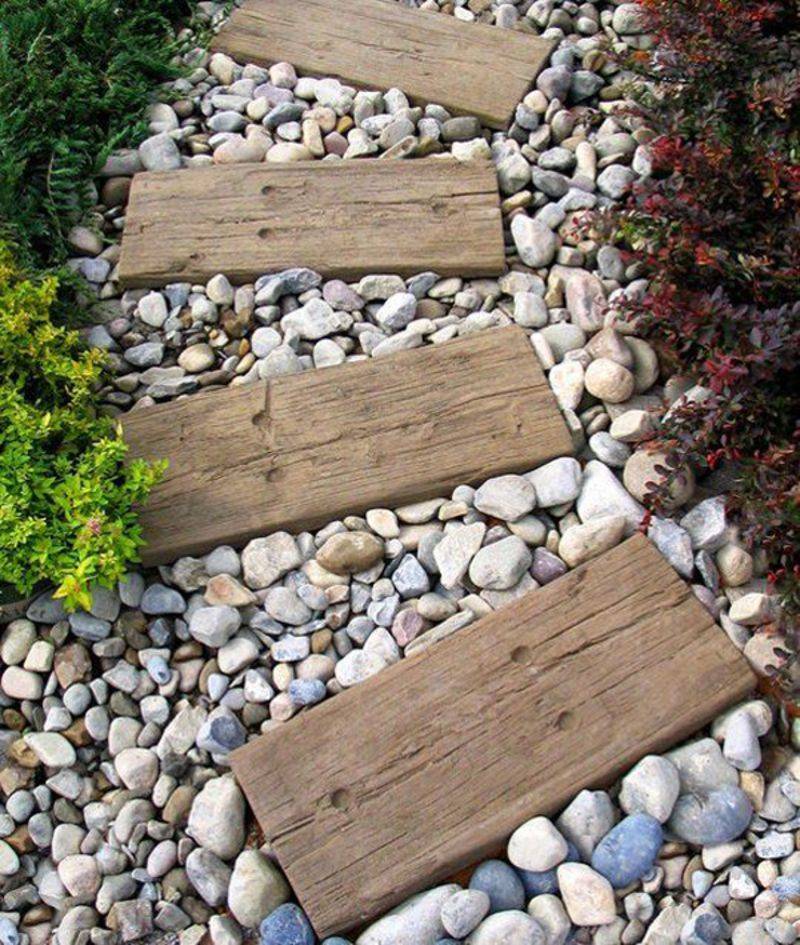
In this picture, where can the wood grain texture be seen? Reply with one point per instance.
(301, 450)
(470, 68)
(344, 219)
(429, 765)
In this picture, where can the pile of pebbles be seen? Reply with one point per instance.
(120, 820)
(571, 148)
(186, 338)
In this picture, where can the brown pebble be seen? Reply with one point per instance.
(321, 640)
(72, 664)
(183, 107)
(132, 622)
(100, 784)
(775, 759)
(175, 884)
(20, 840)
(77, 734)
(115, 191)
(430, 308)
(21, 754)
(694, 864)
(13, 777)
(14, 720)
(752, 783)
(176, 810)
(426, 146)
(202, 681)
(210, 378)
(197, 911)
(188, 651)
(282, 708)
(234, 324)
(37, 914)
(350, 552)
(225, 589)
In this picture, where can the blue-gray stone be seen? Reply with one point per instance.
(158, 670)
(546, 566)
(289, 282)
(537, 884)
(148, 354)
(628, 851)
(705, 928)
(336, 940)
(87, 627)
(290, 649)
(46, 609)
(718, 817)
(105, 603)
(359, 629)
(222, 734)
(585, 84)
(420, 284)
(285, 111)
(159, 599)
(555, 81)
(307, 691)
(552, 183)
(160, 631)
(9, 933)
(787, 888)
(287, 925)
(563, 56)
(410, 578)
(177, 294)
(501, 884)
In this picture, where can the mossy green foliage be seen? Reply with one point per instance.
(67, 497)
(75, 78)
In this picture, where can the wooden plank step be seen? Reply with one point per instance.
(469, 68)
(430, 764)
(342, 218)
(302, 450)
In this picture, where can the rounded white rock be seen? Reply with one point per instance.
(537, 846)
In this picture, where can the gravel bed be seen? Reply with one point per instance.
(119, 815)
(120, 819)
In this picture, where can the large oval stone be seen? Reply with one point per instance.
(718, 817)
(501, 884)
(350, 552)
(417, 921)
(508, 928)
(629, 850)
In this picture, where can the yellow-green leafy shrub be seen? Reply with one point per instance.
(67, 498)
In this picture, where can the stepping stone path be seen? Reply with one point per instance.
(598, 668)
(303, 449)
(120, 819)
(473, 69)
(344, 219)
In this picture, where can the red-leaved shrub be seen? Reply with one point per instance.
(717, 228)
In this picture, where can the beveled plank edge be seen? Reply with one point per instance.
(496, 119)
(167, 549)
(486, 196)
(488, 339)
